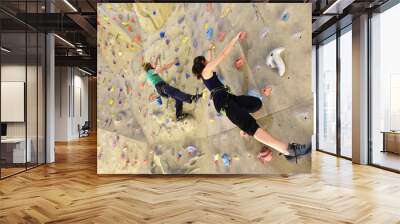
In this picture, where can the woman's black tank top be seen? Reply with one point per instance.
(213, 82)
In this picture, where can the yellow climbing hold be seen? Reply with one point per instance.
(236, 157)
(206, 26)
(106, 18)
(112, 89)
(125, 23)
(225, 12)
(111, 101)
(216, 157)
(185, 40)
(212, 45)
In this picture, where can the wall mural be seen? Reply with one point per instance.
(141, 128)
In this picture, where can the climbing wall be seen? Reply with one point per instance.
(138, 132)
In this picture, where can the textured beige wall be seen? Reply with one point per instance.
(144, 137)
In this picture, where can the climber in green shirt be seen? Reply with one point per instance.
(165, 90)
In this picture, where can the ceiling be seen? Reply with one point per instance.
(76, 23)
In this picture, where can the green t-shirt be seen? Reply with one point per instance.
(153, 78)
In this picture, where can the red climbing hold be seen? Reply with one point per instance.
(137, 39)
(265, 155)
(221, 36)
(266, 91)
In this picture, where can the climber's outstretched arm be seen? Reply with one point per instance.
(207, 72)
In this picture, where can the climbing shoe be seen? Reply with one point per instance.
(196, 97)
(182, 116)
(296, 150)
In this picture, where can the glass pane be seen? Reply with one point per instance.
(41, 98)
(346, 94)
(327, 96)
(31, 99)
(13, 87)
(386, 89)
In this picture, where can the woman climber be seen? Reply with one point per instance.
(238, 108)
(165, 90)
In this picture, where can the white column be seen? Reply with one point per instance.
(360, 90)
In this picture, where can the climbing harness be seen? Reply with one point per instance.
(226, 89)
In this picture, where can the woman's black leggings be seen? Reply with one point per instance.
(238, 109)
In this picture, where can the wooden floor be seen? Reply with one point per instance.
(69, 191)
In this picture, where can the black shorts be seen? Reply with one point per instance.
(238, 109)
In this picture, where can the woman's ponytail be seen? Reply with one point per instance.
(198, 66)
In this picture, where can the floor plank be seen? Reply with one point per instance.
(70, 191)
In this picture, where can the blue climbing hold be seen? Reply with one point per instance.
(226, 159)
(158, 101)
(187, 75)
(210, 33)
(177, 64)
(162, 34)
(285, 16)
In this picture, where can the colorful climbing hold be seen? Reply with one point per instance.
(137, 39)
(191, 150)
(285, 16)
(185, 39)
(265, 155)
(221, 36)
(263, 33)
(210, 33)
(226, 159)
(297, 35)
(152, 97)
(225, 12)
(206, 26)
(216, 158)
(111, 102)
(162, 34)
(178, 155)
(195, 43)
(181, 19)
(158, 101)
(266, 91)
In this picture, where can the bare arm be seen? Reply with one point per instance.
(164, 67)
(210, 53)
(156, 61)
(207, 72)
